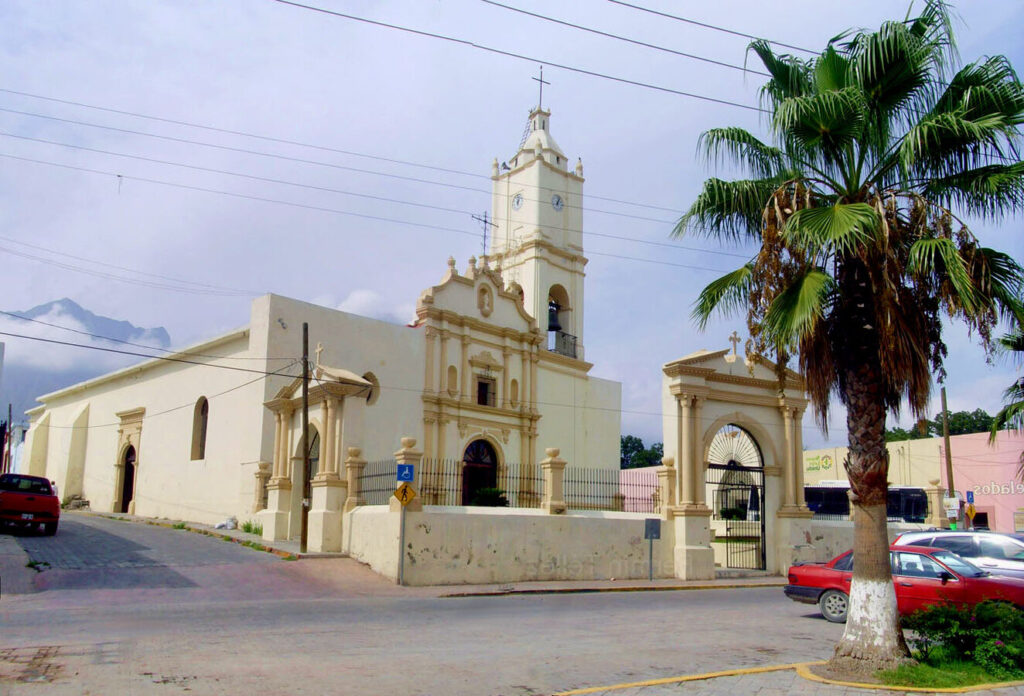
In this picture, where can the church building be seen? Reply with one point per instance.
(490, 373)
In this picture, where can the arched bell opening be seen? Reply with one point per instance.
(735, 484)
(560, 327)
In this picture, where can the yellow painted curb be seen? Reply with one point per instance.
(803, 671)
(685, 678)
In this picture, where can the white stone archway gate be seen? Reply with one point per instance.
(702, 393)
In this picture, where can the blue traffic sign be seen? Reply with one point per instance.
(406, 472)
(970, 497)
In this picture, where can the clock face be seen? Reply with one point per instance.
(556, 202)
(517, 201)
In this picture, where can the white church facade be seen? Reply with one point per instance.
(487, 388)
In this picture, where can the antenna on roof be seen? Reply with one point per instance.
(485, 223)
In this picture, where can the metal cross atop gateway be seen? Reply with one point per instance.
(735, 341)
(540, 99)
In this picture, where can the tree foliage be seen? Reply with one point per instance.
(633, 454)
(879, 149)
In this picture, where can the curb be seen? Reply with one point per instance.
(804, 671)
(593, 590)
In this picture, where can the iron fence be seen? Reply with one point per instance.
(377, 481)
(608, 489)
(444, 482)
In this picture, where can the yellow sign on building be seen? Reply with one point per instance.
(405, 493)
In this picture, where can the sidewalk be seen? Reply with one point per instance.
(290, 549)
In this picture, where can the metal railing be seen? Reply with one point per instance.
(444, 481)
(377, 481)
(607, 489)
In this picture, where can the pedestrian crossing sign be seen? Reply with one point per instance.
(405, 493)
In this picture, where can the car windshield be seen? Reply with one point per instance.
(958, 565)
(24, 484)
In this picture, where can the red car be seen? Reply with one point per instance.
(28, 501)
(922, 577)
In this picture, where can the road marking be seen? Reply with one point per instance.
(687, 678)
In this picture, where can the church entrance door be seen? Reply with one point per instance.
(479, 469)
(128, 485)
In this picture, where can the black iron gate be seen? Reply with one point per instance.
(738, 500)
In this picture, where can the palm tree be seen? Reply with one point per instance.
(877, 152)
(1011, 416)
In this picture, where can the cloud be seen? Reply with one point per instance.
(369, 303)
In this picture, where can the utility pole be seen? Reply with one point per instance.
(8, 452)
(304, 534)
(951, 493)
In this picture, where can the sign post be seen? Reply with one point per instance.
(404, 494)
(652, 531)
(952, 508)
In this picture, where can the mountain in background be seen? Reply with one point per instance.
(21, 384)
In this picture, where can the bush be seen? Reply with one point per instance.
(991, 634)
(489, 497)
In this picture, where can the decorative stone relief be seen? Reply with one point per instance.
(485, 300)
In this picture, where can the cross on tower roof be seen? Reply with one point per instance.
(540, 99)
(735, 341)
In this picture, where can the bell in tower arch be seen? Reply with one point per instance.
(553, 309)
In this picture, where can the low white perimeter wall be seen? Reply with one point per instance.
(462, 545)
(831, 538)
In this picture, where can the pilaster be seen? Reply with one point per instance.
(553, 470)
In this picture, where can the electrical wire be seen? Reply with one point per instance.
(324, 209)
(325, 189)
(136, 345)
(520, 56)
(619, 37)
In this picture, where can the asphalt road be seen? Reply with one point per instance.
(131, 608)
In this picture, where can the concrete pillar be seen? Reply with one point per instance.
(936, 515)
(685, 450)
(409, 455)
(430, 334)
(666, 486)
(464, 370)
(788, 465)
(553, 469)
(275, 518)
(261, 477)
(442, 375)
(354, 466)
(693, 557)
(697, 458)
(504, 377)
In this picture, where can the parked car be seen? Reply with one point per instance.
(1000, 554)
(922, 577)
(28, 501)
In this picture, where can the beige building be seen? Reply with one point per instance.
(490, 372)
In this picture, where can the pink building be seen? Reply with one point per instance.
(991, 472)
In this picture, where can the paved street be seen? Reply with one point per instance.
(132, 608)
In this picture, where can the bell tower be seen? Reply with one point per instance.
(538, 235)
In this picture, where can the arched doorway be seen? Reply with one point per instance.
(735, 481)
(128, 484)
(479, 469)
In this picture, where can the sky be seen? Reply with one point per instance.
(164, 162)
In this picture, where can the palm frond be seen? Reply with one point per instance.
(836, 229)
(1011, 416)
(762, 160)
(731, 210)
(989, 192)
(790, 75)
(799, 309)
(940, 258)
(947, 143)
(827, 121)
(999, 280)
(725, 295)
(986, 87)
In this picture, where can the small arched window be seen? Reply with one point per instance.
(200, 418)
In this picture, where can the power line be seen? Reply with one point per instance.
(287, 158)
(323, 209)
(144, 355)
(129, 343)
(373, 197)
(713, 27)
(635, 42)
(271, 139)
(520, 56)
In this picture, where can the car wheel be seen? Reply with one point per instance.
(50, 528)
(834, 605)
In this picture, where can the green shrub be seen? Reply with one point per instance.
(733, 513)
(489, 497)
(991, 634)
(250, 527)
(178, 525)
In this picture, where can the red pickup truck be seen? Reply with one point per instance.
(28, 501)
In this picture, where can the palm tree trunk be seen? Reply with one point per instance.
(873, 639)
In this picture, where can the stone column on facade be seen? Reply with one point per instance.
(504, 377)
(534, 359)
(798, 430)
(354, 465)
(936, 515)
(408, 454)
(118, 484)
(442, 373)
(553, 469)
(327, 491)
(464, 371)
(684, 447)
(788, 465)
(666, 486)
(430, 335)
(697, 475)
(275, 517)
(524, 383)
(262, 475)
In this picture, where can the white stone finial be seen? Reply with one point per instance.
(552, 452)
(408, 442)
(472, 264)
(579, 166)
(494, 167)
